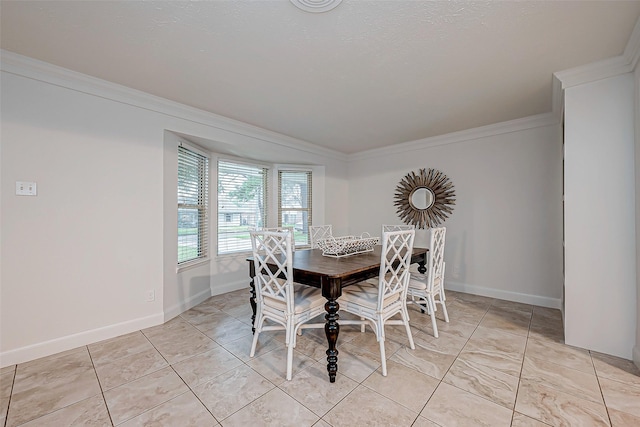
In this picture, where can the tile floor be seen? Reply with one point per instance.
(497, 363)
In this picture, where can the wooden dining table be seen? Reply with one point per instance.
(331, 274)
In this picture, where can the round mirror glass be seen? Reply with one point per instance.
(422, 198)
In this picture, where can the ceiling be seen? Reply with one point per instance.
(364, 75)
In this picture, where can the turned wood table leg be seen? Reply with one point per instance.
(252, 298)
(331, 291)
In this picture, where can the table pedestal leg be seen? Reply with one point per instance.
(331, 329)
(252, 298)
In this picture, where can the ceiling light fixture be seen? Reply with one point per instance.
(316, 6)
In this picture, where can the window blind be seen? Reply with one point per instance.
(294, 203)
(193, 205)
(242, 204)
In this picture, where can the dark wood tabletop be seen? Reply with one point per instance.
(331, 274)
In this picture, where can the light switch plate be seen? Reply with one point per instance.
(24, 188)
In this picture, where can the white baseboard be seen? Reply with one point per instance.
(47, 348)
(636, 355)
(505, 295)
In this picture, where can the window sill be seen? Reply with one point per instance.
(192, 264)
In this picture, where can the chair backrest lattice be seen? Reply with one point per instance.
(397, 248)
(399, 227)
(281, 229)
(319, 232)
(435, 269)
(272, 257)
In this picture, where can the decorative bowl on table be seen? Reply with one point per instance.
(347, 245)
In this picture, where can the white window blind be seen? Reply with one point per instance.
(242, 204)
(294, 203)
(193, 205)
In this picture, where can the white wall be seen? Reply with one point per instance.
(504, 238)
(79, 258)
(600, 257)
(636, 349)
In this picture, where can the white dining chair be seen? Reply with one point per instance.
(376, 301)
(290, 305)
(319, 232)
(389, 227)
(427, 289)
(290, 229)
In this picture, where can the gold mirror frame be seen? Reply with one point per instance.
(442, 201)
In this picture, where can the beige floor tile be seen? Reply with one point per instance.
(7, 369)
(356, 363)
(184, 410)
(110, 350)
(403, 385)
(483, 381)
(313, 344)
(450, 405)
(513, 321)
(620, 396)
(622, 419)
(616, 368)
(498, 305)
(423, 422)
(566, 380)
(546, 324)
(247, 385)
(179, 340)
(6, 383)
(223, 329)
(496, 339)
(499, 350)
(557, 408)
(454, 327)
(199, 313)
(206, 366)
(445, 343)
(373, 410)
(48, 368)
(129, 368)
(561, 354)
(520, 420)
(429, 362)
(46, 385)
(481, 357)
(312, 388)
(394, 340)
(88, 412)
(242, 312)
(273, 365)
(241, 348)
(276, 409)
(132, 399)
(468, 312)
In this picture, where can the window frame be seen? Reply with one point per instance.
(204, 232)
(267, 199)
(318, 186)
(278, 170)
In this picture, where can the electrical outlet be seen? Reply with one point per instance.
(24, 188)
(151, 295)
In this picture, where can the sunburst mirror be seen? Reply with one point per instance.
(425, 199)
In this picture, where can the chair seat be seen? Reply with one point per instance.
(419, 282)
(366, 294)
(305, 298)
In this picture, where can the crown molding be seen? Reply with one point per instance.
(24, 66)
(632, 50)
(625, 63)
(517, 125)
